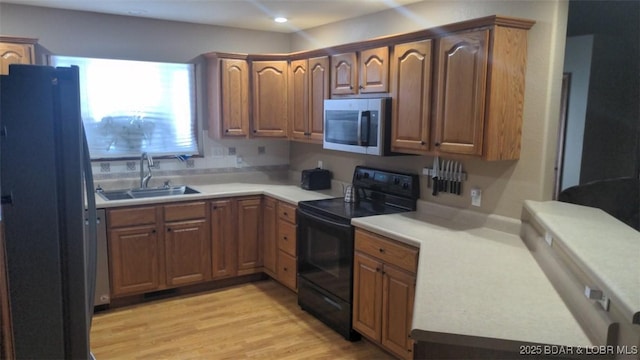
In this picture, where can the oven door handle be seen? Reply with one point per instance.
(323, 219)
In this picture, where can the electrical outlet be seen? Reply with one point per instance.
(476, 197)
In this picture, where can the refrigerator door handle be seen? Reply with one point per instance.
(92, 236)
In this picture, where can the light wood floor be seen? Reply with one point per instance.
(259, 320)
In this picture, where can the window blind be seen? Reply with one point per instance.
(129, 107)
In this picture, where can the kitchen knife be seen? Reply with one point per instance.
(447, 172)
(459, 180)
(454, 182)
(434, 176)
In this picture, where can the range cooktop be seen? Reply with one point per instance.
(378, 192)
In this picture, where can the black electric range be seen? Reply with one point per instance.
(326, 241)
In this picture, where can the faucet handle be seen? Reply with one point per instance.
(149, 160)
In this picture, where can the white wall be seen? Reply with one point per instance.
(505, 184)
(577, 62)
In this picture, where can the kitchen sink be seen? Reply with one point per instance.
(125, 194)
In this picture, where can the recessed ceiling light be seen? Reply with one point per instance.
(280, 19)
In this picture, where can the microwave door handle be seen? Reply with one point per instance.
(360, 128)
(365, 117)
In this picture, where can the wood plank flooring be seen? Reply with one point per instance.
(258, 320)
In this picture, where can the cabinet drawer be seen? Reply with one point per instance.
(287, 237)
(185, 211)
(287, 212)
(390, 251)
(131, 216)
(287, 270)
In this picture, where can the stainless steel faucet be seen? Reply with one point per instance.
(144, 180)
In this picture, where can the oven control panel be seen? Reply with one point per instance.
(396, 183)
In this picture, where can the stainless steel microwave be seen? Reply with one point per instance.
(358, 125)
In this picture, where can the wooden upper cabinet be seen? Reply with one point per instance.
(309, 87)
(411, 76)
(319, 86)
(363, 72)
(228, 99)
(270, 98)
(299, 99)
(374, 70)
(15, 50)
(479, 95)
(344, 74)
(461, 91)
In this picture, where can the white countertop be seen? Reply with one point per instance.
(473, 283)
(289, 193)
(605, 248)
(478, 286)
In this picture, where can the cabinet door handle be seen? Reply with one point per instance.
(285, 269)
(381, 250)
(168, 229)
(226, 130)
(153, 231)
(422, 142)
(437, 144)
(285, 238)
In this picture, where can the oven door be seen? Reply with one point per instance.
(325, 253)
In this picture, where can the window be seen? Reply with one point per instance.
(129, 107)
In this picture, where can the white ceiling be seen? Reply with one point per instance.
(248, 14)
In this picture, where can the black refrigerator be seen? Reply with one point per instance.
(46, 184)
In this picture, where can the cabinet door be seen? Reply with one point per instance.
(234, 97)
(223, 241)
(249, 236)
(299, 99)
(460, 98)
(367, 296)
(319, 85)
(374, 70)
(397, 310)
(187, 252)
(133, 260)
(344, 74)
(269, 231)
(14, 54)
(269, 94)
(410, 129)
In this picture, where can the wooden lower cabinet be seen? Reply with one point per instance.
(383, 292)
(187, 248)
(158, 247)
(249, 229)
(153, 248)
(269, 233)
(280, 258)
(223, 240)
(134, 259)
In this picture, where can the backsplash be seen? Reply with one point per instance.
(220, 156)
